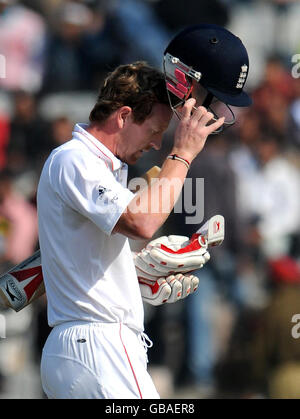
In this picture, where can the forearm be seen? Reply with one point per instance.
(153, 204)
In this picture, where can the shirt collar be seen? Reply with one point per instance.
(97, 147)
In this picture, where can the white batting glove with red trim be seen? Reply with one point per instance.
(163, 265)
(167, 290)
(155, 292)
(172, 254)
(182, 286)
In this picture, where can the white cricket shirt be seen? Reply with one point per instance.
(89, 273)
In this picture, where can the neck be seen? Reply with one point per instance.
(105, 134)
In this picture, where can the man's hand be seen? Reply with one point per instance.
(193, 129)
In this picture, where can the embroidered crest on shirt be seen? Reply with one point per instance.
(242, 77)
(105, 192)
(102, 190)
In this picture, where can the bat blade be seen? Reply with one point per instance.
(23, 283)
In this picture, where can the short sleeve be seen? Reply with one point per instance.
(88, 186)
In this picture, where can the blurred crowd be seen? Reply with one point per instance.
(233, 337)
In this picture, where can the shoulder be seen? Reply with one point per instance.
(72, 154)
(73, 162)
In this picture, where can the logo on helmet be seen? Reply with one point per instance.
(242, 77)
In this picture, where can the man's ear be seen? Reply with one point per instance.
(123, 115)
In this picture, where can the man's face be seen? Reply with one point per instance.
(140, 138)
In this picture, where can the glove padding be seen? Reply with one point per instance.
(172, 254)
(169, 289)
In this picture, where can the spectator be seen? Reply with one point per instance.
(276, 352)
(241, 155)
(66, 68)
(61, 130)
(132, 17)
(89, 41)
(278, 89)
(272, 197)
(29, 140)
(19, 224)
(22, 39)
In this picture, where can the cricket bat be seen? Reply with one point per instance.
(24, 283)
(213, 230)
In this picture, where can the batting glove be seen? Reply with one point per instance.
(182, 286)
(172, 254)
(168, 290)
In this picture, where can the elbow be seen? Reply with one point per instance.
(145, 233)
(134, 227)
(146, 227)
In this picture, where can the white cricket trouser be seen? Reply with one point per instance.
(83, 360)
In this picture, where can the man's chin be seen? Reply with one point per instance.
(133, 158)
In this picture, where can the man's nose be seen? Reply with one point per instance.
(156, 144)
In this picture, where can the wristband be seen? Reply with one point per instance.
(175, 157)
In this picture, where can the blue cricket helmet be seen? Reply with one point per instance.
(214, 57)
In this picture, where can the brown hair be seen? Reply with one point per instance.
(136, 85)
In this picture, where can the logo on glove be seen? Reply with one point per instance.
(216, 226)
